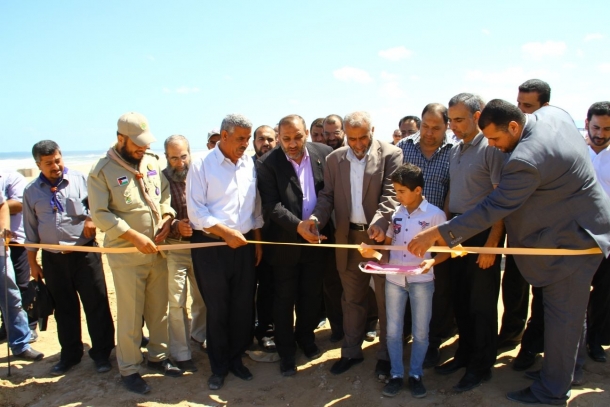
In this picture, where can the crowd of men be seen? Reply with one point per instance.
(507, 176)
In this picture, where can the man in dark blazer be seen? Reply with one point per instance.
(289, 179)
(357, 186)
(549, 198)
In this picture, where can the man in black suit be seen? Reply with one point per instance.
(289, 179)
(549, 198)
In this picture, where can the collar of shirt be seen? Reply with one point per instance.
(352, 157)
(416, 137)
(423, 207)
(220, 158)
(303, 161)
(475, 141)
(65, 178)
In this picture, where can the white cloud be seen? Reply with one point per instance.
(414, 77)
(391, 90)
(593, 37)
(539, 50)
(351, 74)
(604, 68)
(386, 76)
(396, 53)
(512, 76)
(580, 53)
(485, 31)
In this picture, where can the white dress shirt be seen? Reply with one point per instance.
(404, 227)
(601, 164)
(356, 181)
(220, 192)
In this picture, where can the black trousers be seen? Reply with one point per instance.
(226, 279)
(264, 300)
(333, 291)
(19, 258)
(515, 297)
(297, 288)
(598, 311)
(476, 293)
(442, 322)
(533, 336)
(68, 277)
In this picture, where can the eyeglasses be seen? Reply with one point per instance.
(183, 157)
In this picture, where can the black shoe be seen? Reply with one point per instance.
(407, 338)
(535, 375)
(267, 344)
(336, 336)
(166, 367)
(382, 369)
(312, 351)
(596, 352)
(417, 387)
(62, 368)
(370, 336)
(102, 365)
(524, 396)
(450, 367)
(393, 387)
(241, 371)
(433, 357)
(287, 367)
(321, 324)
(216, 381)
(30, 354)
(524, 360)
(187, 365)
(144, 341)
(471, 380)
(135, 383)
(344, 364)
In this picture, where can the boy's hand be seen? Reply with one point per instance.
(426, 265)
(376, 233)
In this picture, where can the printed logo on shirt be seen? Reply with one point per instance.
(423, 224)
(122, 180)
(396, 225)
(151, 173)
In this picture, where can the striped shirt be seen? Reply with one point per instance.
(178, 202)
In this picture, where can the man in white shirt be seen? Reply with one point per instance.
(223, 205)
(598, 313)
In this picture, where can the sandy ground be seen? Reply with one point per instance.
(30, 384)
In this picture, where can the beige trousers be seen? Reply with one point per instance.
(141, 291)
(180, 267)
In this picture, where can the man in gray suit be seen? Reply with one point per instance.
(357, 186)
(548, 198)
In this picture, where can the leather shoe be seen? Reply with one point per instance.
(62, 368)
(524, 396)
(311, 351)
(471, 380)
(287, 367)
(344, 364)
(102, 365)
(30, 354)
(135, 383)
(433, 357)
(382, 369)
(535, 375)
(370, 336)
(336, 336)
(187, 365)
(216, 381)
(241, 371)
(524, 360)
(450, 367)
(597, 353)
(166, 367)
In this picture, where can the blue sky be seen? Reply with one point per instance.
(71, 68)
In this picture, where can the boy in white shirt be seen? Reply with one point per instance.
(413, 215)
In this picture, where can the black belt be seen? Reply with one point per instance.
(361, 227)
(248, 235)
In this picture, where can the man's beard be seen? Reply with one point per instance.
(128, 157)
(178, 175)
(602, 141)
